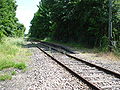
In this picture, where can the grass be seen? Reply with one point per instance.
(20, 65)
(12, 55)
(76, 46)
(6, 63)
(85, 49)
(10, 48)
(13, 73)
(5, 77)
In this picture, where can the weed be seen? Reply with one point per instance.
(24, 70)
(6, 64)
(5, 77)
(20, 65)
(13, 73)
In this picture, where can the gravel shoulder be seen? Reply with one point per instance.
(103, 60)
(43, 74)
(106, 60)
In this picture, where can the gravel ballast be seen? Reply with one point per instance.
(106, 60)
(106, 83)
(113, 65)
(43, 74)
(95, 76)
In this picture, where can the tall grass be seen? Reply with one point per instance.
(10, 48)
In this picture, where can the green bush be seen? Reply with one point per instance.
(117, 49)
(104, 44)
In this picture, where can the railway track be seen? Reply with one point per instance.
(96, 77)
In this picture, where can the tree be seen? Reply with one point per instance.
(84, 21)
(40, 25)
(8, 21)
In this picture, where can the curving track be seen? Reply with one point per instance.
(98, 78)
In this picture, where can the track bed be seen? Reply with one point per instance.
(96, 77)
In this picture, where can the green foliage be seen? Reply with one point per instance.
(104, 44)
(19, 32)
(41, 23)
(13, 73)
(6, 64)
(84, 21)
(9, 49)
(9, 25)
(117, 49)
(20, 65)
(5, 77)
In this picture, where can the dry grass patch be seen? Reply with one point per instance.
(109, 56)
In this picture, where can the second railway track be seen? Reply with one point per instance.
(96, 77)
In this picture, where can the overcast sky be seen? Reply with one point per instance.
(25, 11)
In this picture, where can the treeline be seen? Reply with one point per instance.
(84, 21)
(9, 25)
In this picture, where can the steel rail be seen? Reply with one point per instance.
(58, 46)
(88, 63)
(71, 71)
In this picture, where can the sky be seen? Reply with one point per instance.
(25, 11)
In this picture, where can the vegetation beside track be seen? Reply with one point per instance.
(86, 49)
(102, 52)
(12, 55)
(83, 21)
(9, 24)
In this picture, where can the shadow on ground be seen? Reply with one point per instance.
(30, 45)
